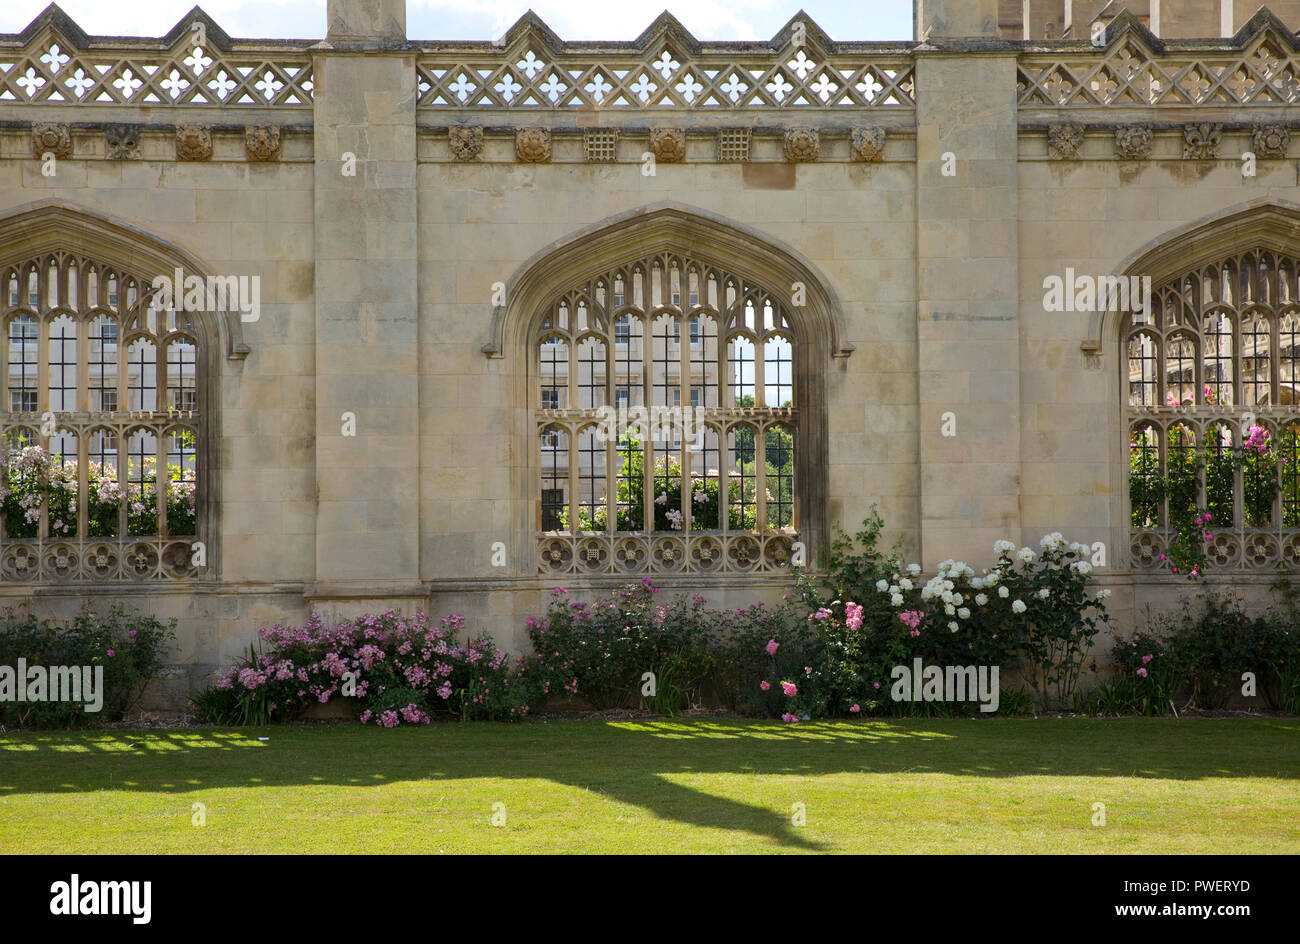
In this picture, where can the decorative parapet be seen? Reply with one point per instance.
(1135, 69)
(53, 62)
(531, 69)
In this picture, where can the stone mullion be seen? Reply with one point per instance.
(684, 385)
(647, 400)
(724, 480)
(83, 483)
(160, 371)
(123, 473)
(1239, 489)
(539, 457)
(611, 486)
(1163, 522)
(571, 432)
(647, 483)
(611, 470)
(42, 380)
(760, 478)
(160, 478)
(795, 518)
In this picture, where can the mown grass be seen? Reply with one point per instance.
(950, 785)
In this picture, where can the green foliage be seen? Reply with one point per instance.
(601, 650)
(1197, 657)
(1032, 609)
(128, 646)
(705, 490)
(1215, 464)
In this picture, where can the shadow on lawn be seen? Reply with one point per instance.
(639, 762)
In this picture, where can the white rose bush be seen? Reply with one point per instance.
(1033, 610)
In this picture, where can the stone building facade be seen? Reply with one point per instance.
(412, 278)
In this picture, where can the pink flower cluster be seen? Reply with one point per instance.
(912, 620)
(853, 615)
(367, 657)
(1257, 440)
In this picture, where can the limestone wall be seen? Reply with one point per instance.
(371, 433)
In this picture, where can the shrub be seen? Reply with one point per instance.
(128, 646)
(1032, 609)
(1197, 656)
(602, 650)
(756, 649)
(401, 669)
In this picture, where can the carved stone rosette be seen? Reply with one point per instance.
(122, 142)
(262, 142)
(533, 145)
(1201, 142)
(51, 138)
(668, 145)
(1133, 142)
(802, 145)
(465, 143)
(1064, 142)
(193, 143)
(1271, 140)
(868, 144)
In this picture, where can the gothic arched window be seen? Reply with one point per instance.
(1218, 357)
(663, 396)
(103, 422)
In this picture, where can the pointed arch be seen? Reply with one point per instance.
(135, 392)
(703, 235)
(709, 268)
(1212, 373)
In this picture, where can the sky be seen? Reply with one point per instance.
(876, 20)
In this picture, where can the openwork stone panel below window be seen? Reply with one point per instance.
(666, 427)
(102, 426)
(1219, 355)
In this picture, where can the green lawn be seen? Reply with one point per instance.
(987, 785)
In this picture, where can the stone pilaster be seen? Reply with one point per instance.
(367, 379)
(968, 326)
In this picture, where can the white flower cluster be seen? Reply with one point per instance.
(1052, 542)
(1018, 606)
(1003, 548)
(1081, 567)
(936, 587)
